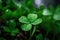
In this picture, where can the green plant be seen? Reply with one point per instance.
(46, 12)
(11, 28)
(39, 37)
(39, 23)
(31, 19)
(12, 31)
(57, 13)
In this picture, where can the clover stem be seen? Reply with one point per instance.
(20, 34)
(32, 32)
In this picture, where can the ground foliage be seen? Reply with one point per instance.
(22, 20)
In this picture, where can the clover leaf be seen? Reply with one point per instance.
(26, 27)
(12, 31)
(39, 37)
(31, 19)
(46, 12)
(36, 22)
(11, 23)
(17, 3)
(7, 29)
(7, 14)
(57, 14)
(23, 19)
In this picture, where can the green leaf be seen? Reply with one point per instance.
(17, 3)
(7, 15)
(57, 14)
(14, 32)
(26, 27)
(46, 12)
(51, 9)
(15, 14)
(23, 19)
(12, 23)
(39, 37)
(32, 17)
(7, 29)
(38, 21)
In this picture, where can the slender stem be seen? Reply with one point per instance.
(32, 32)
(22, 36)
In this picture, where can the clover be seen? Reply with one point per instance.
(39, 37)
(31, 19)
(12, 31)
(11, 28)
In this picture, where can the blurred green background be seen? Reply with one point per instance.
(29, 20)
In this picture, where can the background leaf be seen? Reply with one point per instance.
(14, 32)
(7, 29)
(46, 12)
(39, 37)
(57, 14)
(12, 24)
(7, 15)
